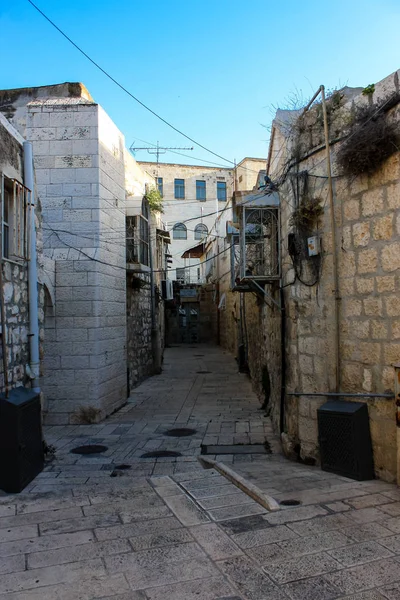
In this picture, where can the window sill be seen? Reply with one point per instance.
(137, 268)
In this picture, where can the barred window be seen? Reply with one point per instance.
(16, 215)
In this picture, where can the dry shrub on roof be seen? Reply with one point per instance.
(371, 141)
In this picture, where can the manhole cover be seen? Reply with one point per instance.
(160, 454)
(290, 502)
(182, 432)
(122, 467)
(89, 449)
(203, 372)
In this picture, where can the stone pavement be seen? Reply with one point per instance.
(87, 528)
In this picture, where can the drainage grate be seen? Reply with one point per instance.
(203, 372)
(238, 449)
(160, 454)
(289, 502)
(89, 449)
(180, 432)
(122, 467)
(198, 355)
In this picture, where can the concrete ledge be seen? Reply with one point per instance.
(248, 488)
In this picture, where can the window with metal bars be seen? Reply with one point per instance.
(16, 215)
(137, 237)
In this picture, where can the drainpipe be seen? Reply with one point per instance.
(334, 245)
(34, 365)
(155, 334)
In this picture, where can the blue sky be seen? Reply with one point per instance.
(215, 68)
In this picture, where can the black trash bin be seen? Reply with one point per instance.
(21, 446)
(345, 439)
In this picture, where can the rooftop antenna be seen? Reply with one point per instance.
(156, 150)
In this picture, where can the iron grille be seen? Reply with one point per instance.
(345, 440)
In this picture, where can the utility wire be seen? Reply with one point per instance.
(125, 89)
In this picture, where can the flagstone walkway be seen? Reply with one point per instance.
(118, 526)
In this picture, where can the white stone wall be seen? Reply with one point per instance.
(79, 164)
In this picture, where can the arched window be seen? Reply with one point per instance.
(179, 232)
(200, 231)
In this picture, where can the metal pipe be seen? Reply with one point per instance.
(270, 150)
(32, 273)
(313, 98)
(155, 334)
(343, 394)
(334, 246)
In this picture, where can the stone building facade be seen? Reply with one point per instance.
(85, 178)
(193, 196)
(14, 261)
(293, 350)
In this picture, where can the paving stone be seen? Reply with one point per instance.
(393, 524)
(243, 524)
(358, 554)
(7, 510)
(147, 527)
(128, 511)
(204, 589)
(390, 592)
(48, 542)
(40, 517)
(186, 510)
(18, 533)
(249, 580)
(53, 503)
(260, 537)
(268, 555)
(72, 525)
(363, 577)
(242, 510)
(321, 524)
(315, 588)
(315, 543)
(145, 577)
(37, 578)
(215, 490)
(301, 568)
(370, 595)
(366, 515)
(10, 564)
(77, 553)
(153, 558)
(230, 500)
(86, 589)
(392, 509)
(367, 532)
(337, 507)
(144, 542)
(295, 514)
(215, 542)
(369, 500)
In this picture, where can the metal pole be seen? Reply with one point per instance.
(334, 246)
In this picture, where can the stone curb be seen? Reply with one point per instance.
(251, 490)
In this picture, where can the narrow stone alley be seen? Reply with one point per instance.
(123, 525)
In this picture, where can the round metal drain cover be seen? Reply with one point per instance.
(203, 372)
(160, 454)
(290, 502)
(180, 432)
(89, 449)
(122, 467)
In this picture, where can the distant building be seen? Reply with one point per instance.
(193, 197)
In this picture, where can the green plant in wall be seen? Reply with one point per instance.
(155, 200)
(306, 215)
(369, 90)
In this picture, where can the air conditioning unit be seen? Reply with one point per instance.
(167, 289)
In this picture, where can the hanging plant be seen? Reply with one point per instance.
(372, 139)
(155, 200)
(306, 215)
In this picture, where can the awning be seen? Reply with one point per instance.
(195, 252)
(259, 199)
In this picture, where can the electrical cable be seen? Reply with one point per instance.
(124, 89)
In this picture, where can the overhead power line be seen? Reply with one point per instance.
(124, 89)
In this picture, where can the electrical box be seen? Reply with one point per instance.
(314, 245)
(345, 439)
(167, 289)
(21, 444)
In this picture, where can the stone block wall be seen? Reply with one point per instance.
(138, 321)
(15, 273)
(79, 160)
